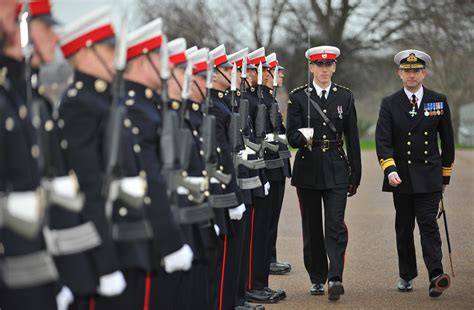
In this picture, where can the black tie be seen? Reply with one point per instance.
(323, 97)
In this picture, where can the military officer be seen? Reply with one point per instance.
(415, 169)
(320, 115)
(277, 177)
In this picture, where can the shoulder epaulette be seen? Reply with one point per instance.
(343, 87)
(299, 88)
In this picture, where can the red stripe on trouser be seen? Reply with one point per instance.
(251, 247)
(224, 259)
(92, 303)
(347, 233)
(146, 302)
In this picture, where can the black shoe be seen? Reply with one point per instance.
(335, 290)
(281, 294)
(247, 306)
(278, 268)
(261, 296)
(439, 284)
(405, 286)
(317, 289)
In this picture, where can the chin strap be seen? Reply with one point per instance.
(200, 90)
(102, 62)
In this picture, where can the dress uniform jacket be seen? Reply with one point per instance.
(143, 106)
(409, 145)
(19, 172)
(83, 110)
(318, 169)
(285, 171)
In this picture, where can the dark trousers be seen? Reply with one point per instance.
(131, 298)
(162, 289)
(319, 246)
(230, 256)
(38, 297)
(260, 248)
(244, 269)
(423, 207)
(276, 195)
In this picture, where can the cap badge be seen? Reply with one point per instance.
(412, 58)
(324, 55)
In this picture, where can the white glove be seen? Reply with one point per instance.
(307, 133)
(179, 260)
(270, 137)
(64, 298)
(217, 229)
(237, 212)
(111, 284)
(266, 188)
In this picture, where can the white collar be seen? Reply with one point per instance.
(319, 90)
(418, 94)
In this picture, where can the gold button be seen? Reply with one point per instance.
(324, 124)
(175, 105)
(195, 133)
(426, 133)
(148, 93)
(324, 136)
(221, 95)
(129, 102)
(195, 106)
(409, 143)
(324, 110)
(60, 123)
(409, 162)
(147, 200)
(35, 151)
(221, 168)
(426, 142)
(127, 123)
(72, 92)
(9, 124)
(135, 130)
(23, 111)
(136, 148)
(49, 125)
(426, 152)
(409, 133)
(426, 161)
(100, 86)
(218, 149)
(302, 156)
(201, 152)
(223, 186)
(131, 93)
(408, 152)
(64, 144)
(123, 211)
(79, 84)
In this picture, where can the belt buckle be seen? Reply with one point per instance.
(325, 145)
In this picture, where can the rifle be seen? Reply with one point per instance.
(262, 119)
(275, 113)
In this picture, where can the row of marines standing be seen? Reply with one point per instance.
(176, 207)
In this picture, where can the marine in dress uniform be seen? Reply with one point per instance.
(125, 234)
(29, 276)
(323, 173)
(259, 258)
(277, 177)
(415, 168)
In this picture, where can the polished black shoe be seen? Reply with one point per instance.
(439, 284)
(317, 289)
(261, 296)
(247, 306)
(278, 268)
(405, 286)
(281, 294)
(335, 290)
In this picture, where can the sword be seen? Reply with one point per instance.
(443, 213)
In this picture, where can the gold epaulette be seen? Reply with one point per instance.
(343, 87)
(298, 88)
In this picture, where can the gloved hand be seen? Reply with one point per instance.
(352, 190)
(111, 284)
(307, 133)
(237, 212)
(217, 229)
(266, 188)
(179, 260)
(64, 298)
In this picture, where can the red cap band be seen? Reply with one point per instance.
(220, 60)
(199, 67)
(322, 56)
(257, 60)
(178, 58)
(96, 35)
(141, 48)
(36, 8)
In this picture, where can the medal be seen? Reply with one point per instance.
(339, 110)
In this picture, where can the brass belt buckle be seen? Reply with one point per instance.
(325, 145)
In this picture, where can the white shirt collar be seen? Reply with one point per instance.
(418, 94)
(319, 90)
